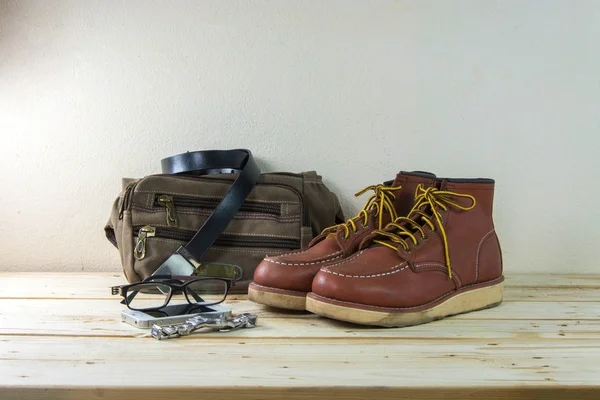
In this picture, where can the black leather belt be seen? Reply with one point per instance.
(209, 162)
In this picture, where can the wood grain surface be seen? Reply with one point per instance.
(61, 337)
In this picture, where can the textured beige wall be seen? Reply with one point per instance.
(94, 90)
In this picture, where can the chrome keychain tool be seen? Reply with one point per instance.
(219, 323)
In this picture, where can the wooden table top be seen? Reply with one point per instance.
(61, 337)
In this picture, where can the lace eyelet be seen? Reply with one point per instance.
(365, 225)
(424, 238)
(346, 238)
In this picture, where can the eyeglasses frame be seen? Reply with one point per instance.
(124, 290)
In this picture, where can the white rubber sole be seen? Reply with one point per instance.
(469, 300)
(260, 294)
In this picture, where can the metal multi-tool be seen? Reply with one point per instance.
(218, 323)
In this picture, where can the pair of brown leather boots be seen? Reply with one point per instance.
(422, 248)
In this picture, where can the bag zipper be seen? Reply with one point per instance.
(305, 219)
(226, 240)
(127, 196)
(171, 203)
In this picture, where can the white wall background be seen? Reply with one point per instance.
(91, 91)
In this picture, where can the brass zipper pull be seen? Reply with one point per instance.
(167, 201)
(139, 252)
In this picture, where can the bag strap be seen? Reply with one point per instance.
(216, 162)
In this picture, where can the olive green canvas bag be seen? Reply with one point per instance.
(216, 207)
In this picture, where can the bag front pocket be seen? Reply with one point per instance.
(173, 208)
(143, 233)
(174, 203)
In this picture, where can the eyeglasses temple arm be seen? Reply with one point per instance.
(119, 290)
(196, 297)
(130, 297)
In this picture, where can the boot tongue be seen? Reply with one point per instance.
(420, 174)
(443, 185)
(424, 208)
(398, 181)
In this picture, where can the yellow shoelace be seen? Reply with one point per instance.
(435, 199)
(381, 200)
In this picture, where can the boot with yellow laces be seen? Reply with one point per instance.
(285, 280)
(442, 259)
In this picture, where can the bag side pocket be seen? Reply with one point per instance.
(324, 209)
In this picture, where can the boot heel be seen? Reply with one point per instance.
(473, 300)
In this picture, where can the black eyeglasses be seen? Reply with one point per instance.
(155, 292)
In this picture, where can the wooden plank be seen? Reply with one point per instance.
(566, 281)
(510, 294)
(521, 321)
(109, 310)
(551, 294)
(323, 328)
(69, 285)
(84, 310)
(301, 393)
(543, 341)
(523, 287)
(143, 362)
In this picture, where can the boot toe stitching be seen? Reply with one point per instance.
(347, 260)
(328, 258)
(394, 270)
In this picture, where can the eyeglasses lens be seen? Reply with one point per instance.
(206, 291)
(148, 296)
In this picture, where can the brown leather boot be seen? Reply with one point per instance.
(443, 259)
(284, 280)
